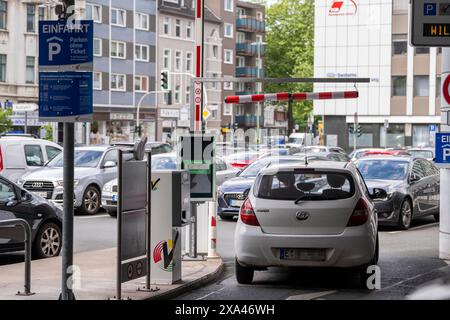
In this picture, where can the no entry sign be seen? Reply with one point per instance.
(445, 103)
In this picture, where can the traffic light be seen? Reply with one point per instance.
(359, 131)
(165, 80)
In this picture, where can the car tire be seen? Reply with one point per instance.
(244, 275)
(91, 201)
(436, 217)
(112, 213)
(406, 215)
(48, 241)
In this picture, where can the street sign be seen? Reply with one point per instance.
(445, 103)
(65, 96)
(25, 107)
(206, 113)
(430, 23)
(66, 46)
(432, 128)
(442, 146)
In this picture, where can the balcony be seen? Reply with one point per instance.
(248, 49)
(248, 120)
(250, 24)
(249, 72)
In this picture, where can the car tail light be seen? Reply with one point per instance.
(1, 160)
(360, 214)
(239, 165)
(248, 214)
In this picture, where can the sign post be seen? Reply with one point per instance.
(65, 95)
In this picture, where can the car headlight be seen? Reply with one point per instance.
(60, 183)
(107, 188)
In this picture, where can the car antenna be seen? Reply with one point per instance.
(305, 145)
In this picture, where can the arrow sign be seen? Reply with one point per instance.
(206, 113)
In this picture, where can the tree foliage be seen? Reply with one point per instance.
(5, 120)
(290, 49)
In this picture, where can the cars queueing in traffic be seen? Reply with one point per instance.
(314, 215)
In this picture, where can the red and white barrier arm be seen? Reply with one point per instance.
(284, 96)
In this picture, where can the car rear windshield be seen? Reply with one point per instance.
(421, 153)
(313, 185)
(383, 169)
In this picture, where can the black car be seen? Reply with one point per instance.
(44, 218)
(412, 185)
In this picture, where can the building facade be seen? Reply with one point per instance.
(400, 106)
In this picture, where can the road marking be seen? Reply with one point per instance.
(93, 217)
(311, 296)
(211, 293)
(417, 228)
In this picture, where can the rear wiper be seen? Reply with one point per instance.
(300, 198)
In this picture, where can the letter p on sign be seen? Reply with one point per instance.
(54, 48)
(446, 153)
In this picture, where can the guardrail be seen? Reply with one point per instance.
(27, 230)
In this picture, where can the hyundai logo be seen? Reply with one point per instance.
(37, 185)
(302, 215)
(240, 197)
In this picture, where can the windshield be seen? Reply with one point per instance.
(164, 163)
(82, 159)
(253, 169)
(307, 186)
(421, 154)
(383, 169)
(296, 140)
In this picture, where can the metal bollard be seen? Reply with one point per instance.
(212, 218)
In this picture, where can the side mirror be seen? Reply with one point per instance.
(379, 193)
(109, 164)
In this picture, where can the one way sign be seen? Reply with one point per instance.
(443, 148)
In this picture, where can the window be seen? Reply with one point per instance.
(241, 12)
(52, 152)
(229, 5)
(418, 170)
(228, 56)
(227, 109)
(400, 5)
(438, 86)
(394, 136)
(422, 50)
(6, 192)
(399, 44)
(177, 28)
(188, 95)
(421, 136)
(240, 62)
(189, 30)
(112, 156)
(117, 82)
(97, 81)
(34, 156)
(214, 84)
(141, 83)
(2, 67)
(166, 27)
(97, 47)
(166, 59)
(188, 61)
(228, 30)
(240, 37)
(259, 16)
(399, 86)
(30, 73)
(215, 51)
(41, 13)
(141, 21)
(118, 49)
(94, 12)
(228, 86)
(178, 60)
(118, 17)
(141, 52)
(365, 140)
(3, 14)
(177, 94)
(421, 86)
(31, 18)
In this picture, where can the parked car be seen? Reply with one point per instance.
(44, 218)
(156, 147)
(385, 152)
(318, 149)
(330, 156)
(94, 166)
(316, 215)
(22, 154)
(231, 194)
(412, 186)
(426, 153)
(242, 159)
(297, 140)
(358, 153)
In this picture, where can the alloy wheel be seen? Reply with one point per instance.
(406, 214)
(50, 242)
(91, 200)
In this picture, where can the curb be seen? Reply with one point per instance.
(206, 279)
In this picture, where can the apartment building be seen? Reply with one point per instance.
(18, 59)
(400, 106)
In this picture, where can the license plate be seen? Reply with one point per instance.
(114, 197)
(236, 203)
(41, 194)
(303, 254)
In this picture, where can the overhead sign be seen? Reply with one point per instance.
(442, 146)
(65, 96)
(430, 23)
(66, 46)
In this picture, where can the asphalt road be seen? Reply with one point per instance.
(407, 260)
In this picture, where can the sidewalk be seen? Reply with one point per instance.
(98, 278)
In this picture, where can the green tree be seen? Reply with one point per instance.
(290, 50)
(5, 120)
(48, 132)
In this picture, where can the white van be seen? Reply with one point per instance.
(22, 154)
(297, 139)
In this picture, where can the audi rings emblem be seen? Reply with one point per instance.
(37, 184)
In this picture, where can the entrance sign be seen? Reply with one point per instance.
(68, 45)
(430, 23)
(67, 96)
(442, 148)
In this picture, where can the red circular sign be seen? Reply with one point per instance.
(446, 89)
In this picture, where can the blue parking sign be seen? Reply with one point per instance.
(429, 9)
(442, 148)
